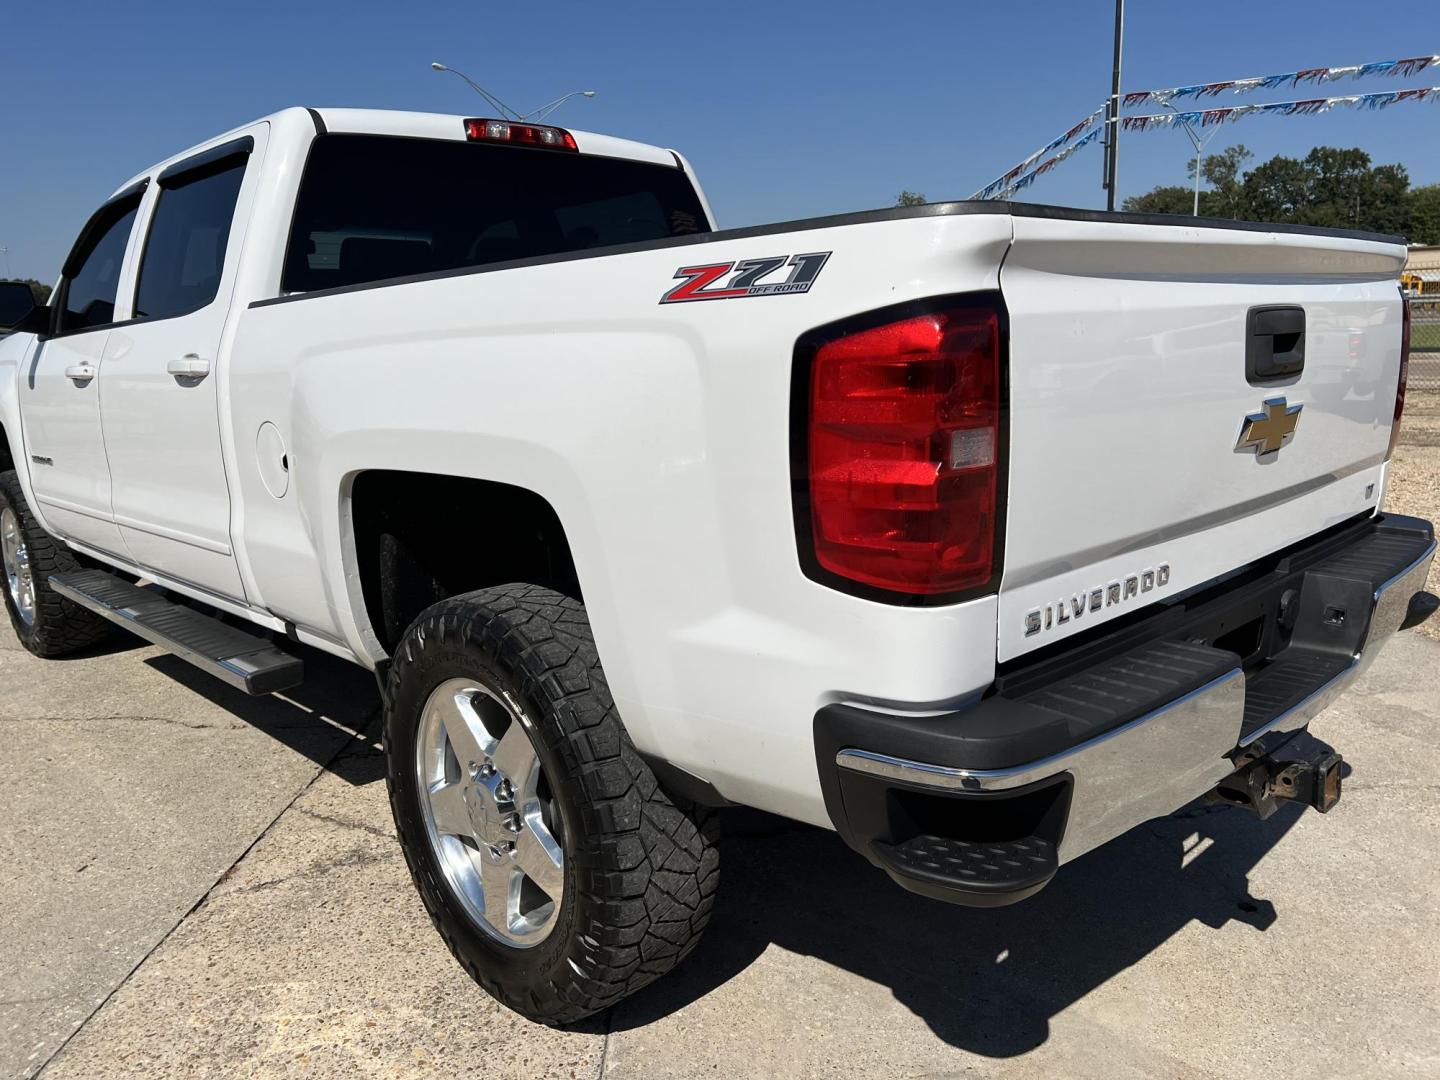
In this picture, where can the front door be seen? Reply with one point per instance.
(160, 379)
(60, 390)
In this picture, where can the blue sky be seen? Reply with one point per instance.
(786, 109)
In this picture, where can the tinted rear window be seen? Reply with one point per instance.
(373, 207)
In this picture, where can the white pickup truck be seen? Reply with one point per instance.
(978, 532)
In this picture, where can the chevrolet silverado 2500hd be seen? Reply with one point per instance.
(978, 532)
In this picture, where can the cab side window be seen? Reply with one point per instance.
(189, 231)
(92, 273)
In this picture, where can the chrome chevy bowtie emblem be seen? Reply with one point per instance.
(1266, 431)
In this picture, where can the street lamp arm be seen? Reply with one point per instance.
(506, 112)
(545, 110)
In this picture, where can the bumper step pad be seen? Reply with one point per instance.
(244, 661)
(937, 866)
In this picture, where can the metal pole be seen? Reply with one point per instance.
(1197, 181)
(1112, 147)
(1199, 145)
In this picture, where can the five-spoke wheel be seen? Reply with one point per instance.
(491, 819)
(19, 579)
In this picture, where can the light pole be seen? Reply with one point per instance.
(1199, 144)
(506, 112)
(1112, 115)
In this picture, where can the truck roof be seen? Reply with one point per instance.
(421, 125)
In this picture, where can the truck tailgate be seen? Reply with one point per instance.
(1135, 470)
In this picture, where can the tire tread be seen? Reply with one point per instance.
(648, 867)
(61, 627)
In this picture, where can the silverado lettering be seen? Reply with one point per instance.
(1110, 595)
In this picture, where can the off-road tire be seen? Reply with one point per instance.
(641, 868)
(61, 627)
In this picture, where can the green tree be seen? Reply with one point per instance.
(1330, 186)
(910, 198)
(1222, 172)
(1170, 199)
(1222, 199)
(1425, 214)
(1343, 191)
(1277, 190)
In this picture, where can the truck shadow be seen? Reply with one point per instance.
(986, 981)
(337, 703)
(983, 980)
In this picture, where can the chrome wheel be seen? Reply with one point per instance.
(490, 816)
(18, 577)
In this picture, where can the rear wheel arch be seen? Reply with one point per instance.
(7, 460)
(420, 538)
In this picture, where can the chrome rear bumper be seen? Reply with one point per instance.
(1158, 761)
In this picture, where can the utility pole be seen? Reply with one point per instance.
(1112, 113)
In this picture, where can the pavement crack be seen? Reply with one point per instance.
(53, 718)
(605, 1046)
(229, 871)
(32, 1000)
(345, 861)
(346, 823)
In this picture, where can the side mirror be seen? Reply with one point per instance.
(19, 313)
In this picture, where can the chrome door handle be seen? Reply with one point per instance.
(189, 366)
(80, 374)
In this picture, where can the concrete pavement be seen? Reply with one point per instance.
(198, 884)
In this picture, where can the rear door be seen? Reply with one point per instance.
(159, 387)
(1164, 428)
(60, 394)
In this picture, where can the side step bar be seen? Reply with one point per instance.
(244, 661)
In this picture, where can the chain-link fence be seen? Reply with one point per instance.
(1425, 339)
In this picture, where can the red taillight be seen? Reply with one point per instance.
(903, 452)
(1404, 373)
(508, 131)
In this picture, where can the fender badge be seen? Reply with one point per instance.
(1267, 431)
(744, 278)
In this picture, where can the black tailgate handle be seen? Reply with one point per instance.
(1274, 343)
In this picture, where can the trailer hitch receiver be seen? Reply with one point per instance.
(1304, 770)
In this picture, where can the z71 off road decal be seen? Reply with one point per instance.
(703, 282)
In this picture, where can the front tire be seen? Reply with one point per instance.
(46, 623)
(554, 867)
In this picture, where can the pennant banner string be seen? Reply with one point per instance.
(1411, 65)
(1016, 178)
(1045, 166)
(989, 190)
(1307, 107)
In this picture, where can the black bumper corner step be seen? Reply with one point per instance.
(988, 872)
(243, 660)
